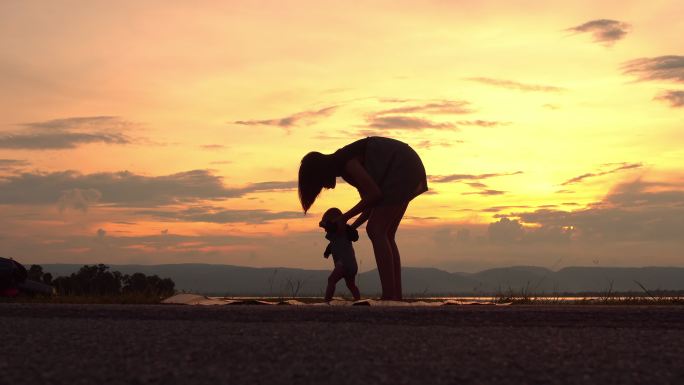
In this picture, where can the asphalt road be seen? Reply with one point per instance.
(175, 344)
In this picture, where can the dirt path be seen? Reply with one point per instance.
(171, 344)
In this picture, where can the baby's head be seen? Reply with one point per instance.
(329, 217)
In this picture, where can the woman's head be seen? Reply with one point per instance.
(315, 173)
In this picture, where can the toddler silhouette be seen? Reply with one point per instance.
(342, 251)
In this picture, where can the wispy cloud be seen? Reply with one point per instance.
(219, 215)
(57, 141)
(514, 85)
(11, 163)
(473, 181)
(480, 123)
(669, 67)
(439, 107)
(68, 133)
(407, 123)
(403, 122)
(428, 144)
(212, 146)
(125, 189)
(467, 177)
(300, 118)
(605, 31)
(113, 123)
(485, 192)
(419, 115)
(496, 209)
(270, 186)
(674, 97)
(580, 178)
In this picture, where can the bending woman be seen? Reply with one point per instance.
(388, 174)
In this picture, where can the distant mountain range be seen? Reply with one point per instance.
(237, 280)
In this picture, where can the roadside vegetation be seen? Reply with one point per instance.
(526, 296)
(97, 284)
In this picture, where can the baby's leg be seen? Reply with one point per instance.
(336, 275)
(351, 284)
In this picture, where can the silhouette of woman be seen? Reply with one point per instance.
(388, 174)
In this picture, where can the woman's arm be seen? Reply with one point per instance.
(369, 190)
(362, 218)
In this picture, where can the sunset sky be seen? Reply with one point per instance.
(171, 132)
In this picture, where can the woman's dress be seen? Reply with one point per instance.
(394, 166)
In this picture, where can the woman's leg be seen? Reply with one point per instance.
(380, 226)
(396, 258)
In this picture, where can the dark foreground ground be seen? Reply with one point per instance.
(175, 344)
